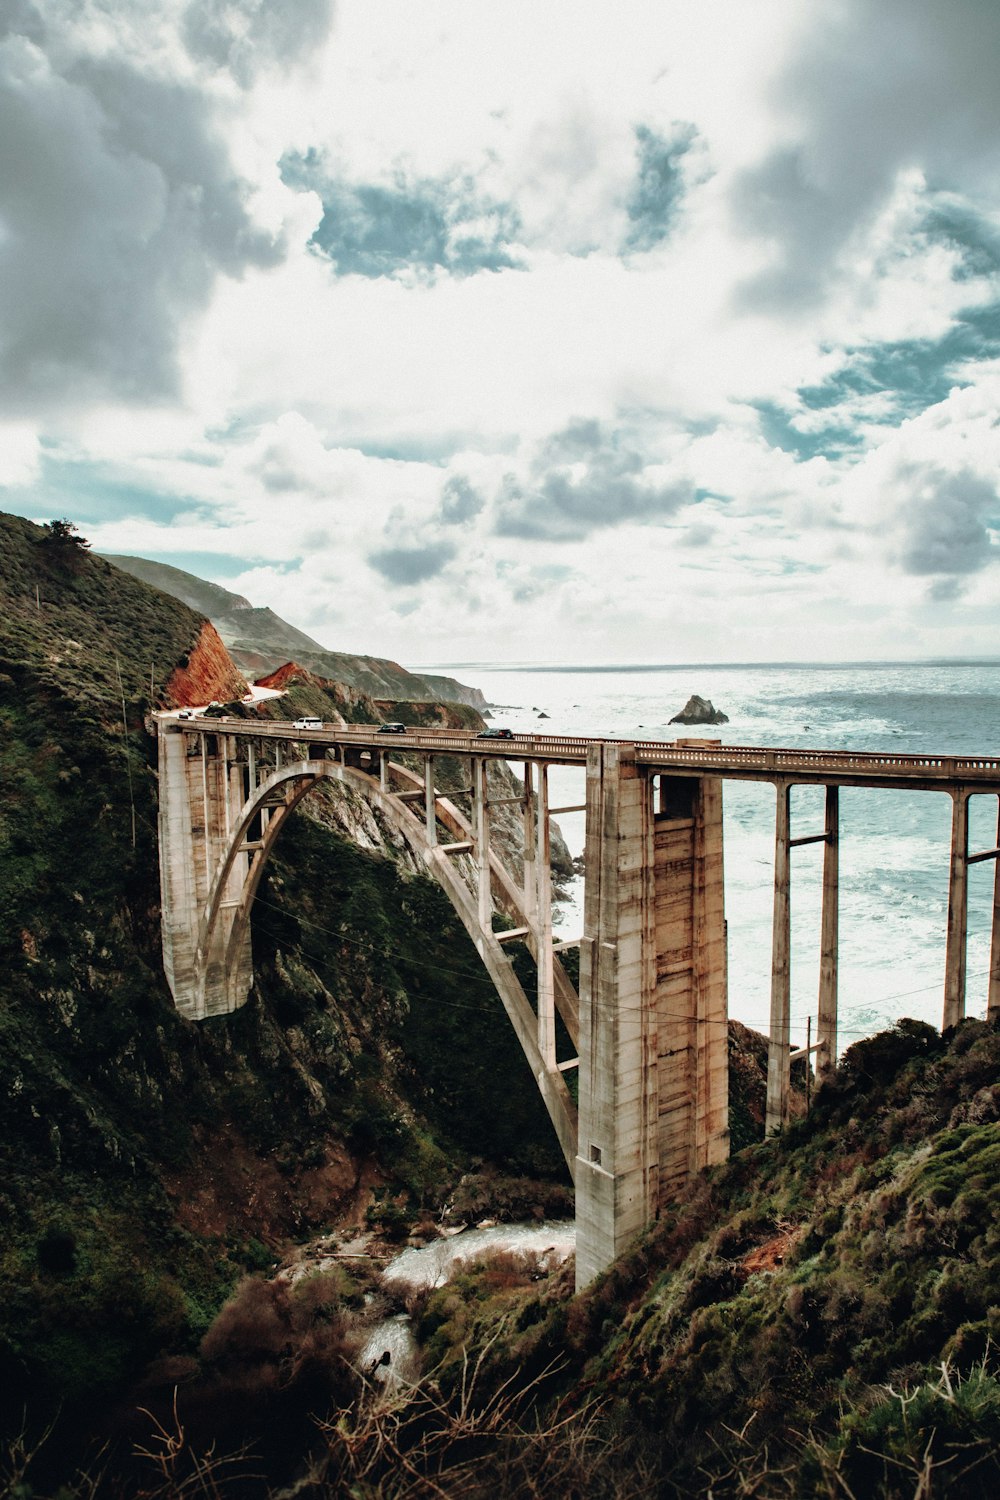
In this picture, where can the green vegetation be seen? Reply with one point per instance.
(147, 1163)
(817, 1318)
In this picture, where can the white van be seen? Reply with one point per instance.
(308, 724)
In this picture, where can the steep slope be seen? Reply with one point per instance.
(259, 641)
(816, 1318)
(147, 1162)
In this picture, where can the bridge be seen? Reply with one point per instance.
(648, 1026)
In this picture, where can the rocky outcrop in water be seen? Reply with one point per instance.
(700, 711)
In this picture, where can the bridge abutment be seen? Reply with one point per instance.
(200, 795)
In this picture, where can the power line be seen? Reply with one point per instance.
(477, 975)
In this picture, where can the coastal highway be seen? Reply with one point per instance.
(691, 756)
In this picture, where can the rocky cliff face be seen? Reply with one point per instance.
(260, 641)
(207, 674)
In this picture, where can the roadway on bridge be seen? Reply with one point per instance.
(679, 757)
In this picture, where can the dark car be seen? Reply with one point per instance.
(392, 729)
(495, 734)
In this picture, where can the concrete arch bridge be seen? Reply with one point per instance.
(648, 1028)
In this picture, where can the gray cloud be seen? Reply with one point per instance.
(944, 521)
(424, 224)
(879, 87)
(659, 187)
(460, 501)
(246, 36)
(408, 565)
(120, 208)
(698, 535)
(584, 478)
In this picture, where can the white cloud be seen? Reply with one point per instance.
(759, 370)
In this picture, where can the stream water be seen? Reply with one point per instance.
(390, 1354)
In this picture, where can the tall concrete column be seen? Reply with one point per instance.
(530, 834)
(709, 981)
(615, 1168)
(993, 1002)
(653, 1011)
(779, 1044)
(691, 1077)
(826, 1024)
(430, 813)
(481, 834)
(545, 1003)
(954, 964)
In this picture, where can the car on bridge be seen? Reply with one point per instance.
(308, 724)
(495, 734)
(392, 728)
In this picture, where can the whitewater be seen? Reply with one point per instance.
(894, 850)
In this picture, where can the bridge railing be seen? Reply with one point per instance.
(734, 760)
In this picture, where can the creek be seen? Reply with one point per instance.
(390, 1354)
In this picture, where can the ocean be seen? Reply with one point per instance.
(894, 851)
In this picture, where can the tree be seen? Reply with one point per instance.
(62, 535)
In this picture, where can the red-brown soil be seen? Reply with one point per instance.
(209, 674)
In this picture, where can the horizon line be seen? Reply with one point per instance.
(704, 666)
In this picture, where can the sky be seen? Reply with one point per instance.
(473, 331)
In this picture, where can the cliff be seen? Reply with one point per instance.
(260, 641)
(207, 674)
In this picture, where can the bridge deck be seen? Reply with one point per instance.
(730, 762)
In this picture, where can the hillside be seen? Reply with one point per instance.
(818, 1317)
(259, 641)
(146, 1163)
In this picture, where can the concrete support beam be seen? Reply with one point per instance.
(200, 794)
(545, 1001)
(430, 814)
(954, 964)
(481, 836)
(654, 1047)
(993, 1002)
(615, 1181)
(826, 1026)
(529, 832)
(779, 1045)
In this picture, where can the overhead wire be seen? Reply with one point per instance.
(477, 975)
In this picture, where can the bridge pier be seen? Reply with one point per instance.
(958, 912)
(779, 1052)
(826, 1022)
(993, 1001)
(654, 1041)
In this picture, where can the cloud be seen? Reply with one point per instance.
(246, 36)
(406, 224)
(119, 209)
(460, 501)
(655, 202)
(585, 477)
(945, 521)
(410, 565)
(874, 92)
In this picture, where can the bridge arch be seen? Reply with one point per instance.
(273, 802)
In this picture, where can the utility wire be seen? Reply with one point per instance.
(477, 976)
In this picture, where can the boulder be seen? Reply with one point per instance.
(700, 711)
